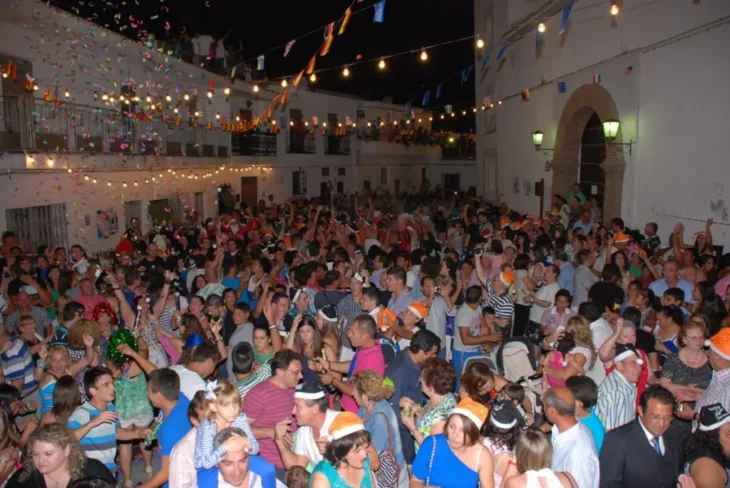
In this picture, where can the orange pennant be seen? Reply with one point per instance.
(298, 78)
(327, 45)
(345, 21)
(310, 66)
(284, 97)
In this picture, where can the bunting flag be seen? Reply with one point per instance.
(438, 91)
(315, 120)
(597, 78)
(487, 102)
(329, 38)
(538, 39)
(209, 125)
(288, 47)
(525, 95)
(485, 62)
(561, 87)
(330, 29)
(465, 74)
(449, 109)
(379, 12)
(260, 62)
(298, 79)
(284, 98)
(501, 52)
(566, 16)
(310, 66)
(408, 109)
(47, 95)
(426, 98)
(345, 21)
(348, 120)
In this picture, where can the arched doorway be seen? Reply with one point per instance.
(591, 177)
(588, 106)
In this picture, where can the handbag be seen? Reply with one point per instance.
(389, 473)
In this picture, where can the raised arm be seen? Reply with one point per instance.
(607, 351)
(708, 233)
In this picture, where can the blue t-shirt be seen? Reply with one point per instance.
(597, 430)
(174, 427)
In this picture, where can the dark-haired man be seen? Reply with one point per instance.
(163, 390)
(71, 314)
(644, 452)
(242, 362)
(95, 424)
(401, 297)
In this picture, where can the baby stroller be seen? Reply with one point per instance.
(516, 362)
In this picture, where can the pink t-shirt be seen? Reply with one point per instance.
(173, 353)
(89, 305)
(370, 358)
(721, 287)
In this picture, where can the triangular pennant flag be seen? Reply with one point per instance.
(426, 98)
(345, 21)
(310, 66)
(260, 62)
(284, 98)
(408, 109)
(465, 74)
(379, 12)
(525, 95)
(298, 79)
(538, 39)
(438, 91)
(561, 87)
(327, 45)
(566, 16)
(501, 52)
(597, 78)
(330, 30)
(485, 62)
(288, 47)
(449, 109)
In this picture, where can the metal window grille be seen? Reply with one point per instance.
(36, 226)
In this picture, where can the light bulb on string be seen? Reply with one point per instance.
(424, 55)
(86, 177)
(96, 181)
(105, 97)
(313, 78)
(148, 99)
(453, 114)
(430, 119)
(463, 112)
(227, 91)
(168, 98)
(541, 27)
(66, 94)
(70, 170)
(346, 72)
(480, 43)
(381, 64)
(135, 183)
(186, 97)
(174, 110)
(124, 184)
(108, 183)
(443, 116)
(284, 83)
(210, 94)
(615, 10)
(50, 162)
(255, 88)
(217, 116)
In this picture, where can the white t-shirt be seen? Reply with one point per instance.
(466, 317)
(546, 293)
(370, 242)
(304, 443)
(190, 381)
(202, 47)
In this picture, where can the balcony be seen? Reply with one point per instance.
(254, 143)
(30, 124)
(301, 142)
(462, 148)
(337, 144)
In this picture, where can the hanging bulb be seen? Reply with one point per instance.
(238, 118)
(480, 43)
(217, 116)
(148, 99)
(541, 27)
(615, 10)
(186, 97)
(313, 78)
(424, 55)
(96, 181)
(346, 72)
(210, 94)
(124, 184)
(135, 183)
(255, 88)
(197, 114)
(443, 116)
(168, 98)
(174, 110)
(108, 183)
(66, 94)
(86, 177)
(453, 114)
(284, 84)
(463, 112)
(430, 119)
(105, 97)
(381, 64)
(70, 170)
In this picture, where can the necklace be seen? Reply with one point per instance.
(692, 362)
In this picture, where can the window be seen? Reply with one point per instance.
(366, 185)
(340, 187)
(36, 226)
(383, 176)
(325, 171)
(299, 183)
(340, 171)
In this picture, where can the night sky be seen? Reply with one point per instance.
(264, 25)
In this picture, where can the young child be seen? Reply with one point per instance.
(515, 393)
(262, 350)
(55, 363)
(222, 408)
(585, 393)
(557, 358)
(297, 477)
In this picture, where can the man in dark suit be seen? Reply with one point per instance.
(644, 453)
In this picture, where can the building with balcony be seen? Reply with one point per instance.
(658, 68)
(96, 129)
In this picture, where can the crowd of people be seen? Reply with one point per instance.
(416, 340)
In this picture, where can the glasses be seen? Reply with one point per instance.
(295, 372)
(659, 418)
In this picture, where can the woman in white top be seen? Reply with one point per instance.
(534, 455)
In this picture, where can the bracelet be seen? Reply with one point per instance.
(41, 364)
(272, 327)
(116, 289)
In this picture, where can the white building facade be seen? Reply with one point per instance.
(77, 166)
(659, 67)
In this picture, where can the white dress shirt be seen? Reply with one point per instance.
(574, 451)
(651, 436)
(182, 471)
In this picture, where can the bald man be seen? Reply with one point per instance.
(573, 448)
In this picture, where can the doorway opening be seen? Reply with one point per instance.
(591, 176)
(249, 191)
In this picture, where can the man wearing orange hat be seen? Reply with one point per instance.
(719, 389)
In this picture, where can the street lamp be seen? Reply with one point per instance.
(537, 138)
(610, 132)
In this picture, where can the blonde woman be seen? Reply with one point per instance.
(534, 455)
(59, 459)
(371, 392)
(581, 359)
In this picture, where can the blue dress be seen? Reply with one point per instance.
(447, 470)
(336, 481)
(47, 396)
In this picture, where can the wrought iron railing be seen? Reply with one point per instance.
(301, 142)
(254, 143)
(337, 144)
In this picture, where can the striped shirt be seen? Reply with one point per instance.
(502, 304)
(17, 364)
(351, 309)
(718, 391)
(574, 451)
(267, 404)
(207, 456)
(99, 443)
(616, 401)
(262, 374)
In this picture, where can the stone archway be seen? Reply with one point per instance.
(582, 104)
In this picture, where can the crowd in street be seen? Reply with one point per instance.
(424, 340)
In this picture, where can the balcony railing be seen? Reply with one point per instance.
(301, 142)
(254, 143)
(30, 124)
(459, 151)
(337, 144)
